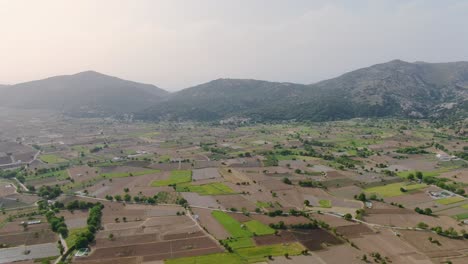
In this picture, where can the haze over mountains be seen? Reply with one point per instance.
(395, 88)
(85, 93)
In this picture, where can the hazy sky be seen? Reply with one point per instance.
(177, 44)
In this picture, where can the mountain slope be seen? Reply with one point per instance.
(85, 93)
(221, 98)
(395, 88)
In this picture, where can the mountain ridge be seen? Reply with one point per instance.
(83, 93)
(394, 88)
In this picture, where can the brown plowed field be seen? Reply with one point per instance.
(314, 238)
(354, 230)
(172, 248)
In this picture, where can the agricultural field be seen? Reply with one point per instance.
(206, 189)
(394, 189)
(52, 159)
(327, 192)
(176, 177)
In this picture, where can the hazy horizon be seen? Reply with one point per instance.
(177, 44)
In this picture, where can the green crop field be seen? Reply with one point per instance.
(435, 173)
(176, 177)
(61, 175)
(465, 206)
(224, 258)
(240, 242)
(52, 159)
(461, 216)
(258, 254)
(128, 174)
(215, 188)
(263, 204)
(325, 203)
(259, 228)
(450, 200)
(391, 190)
(231, 225)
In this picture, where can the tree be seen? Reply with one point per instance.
(306, 203)
(287, 181)
(422, 225)
(362, 197)
(428, 211)
(60, 247)
(348, 216)
(81, 242)
(419, 175)
(63, 231)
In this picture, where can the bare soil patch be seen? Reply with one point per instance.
(313, 239)
(207, 221)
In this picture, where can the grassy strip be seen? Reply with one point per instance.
(325, 203)
(176, 177)
(462, 216)
(215, 188)
(52, 159)
(259, 254)
(450, 200)
(128, 174)
(60, 175)
(259, 228)
(224, 258)
(394, 189)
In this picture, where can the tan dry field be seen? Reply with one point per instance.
(391, 246)
(29, 237)
(411, 220)
(7, 188)
(14, 234)
(82, 173)
(134, 184)
(291, 198)
(77, 219)
(151, 239)
(339, 254)
(237, 201)
(235, 176)
(456, 175)
(194, 199)
(207, 221)
(205, 174)
(156, 250)
(418, 162)
(333, 221)
(347, 192)
(447, 248)
(413, 200)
